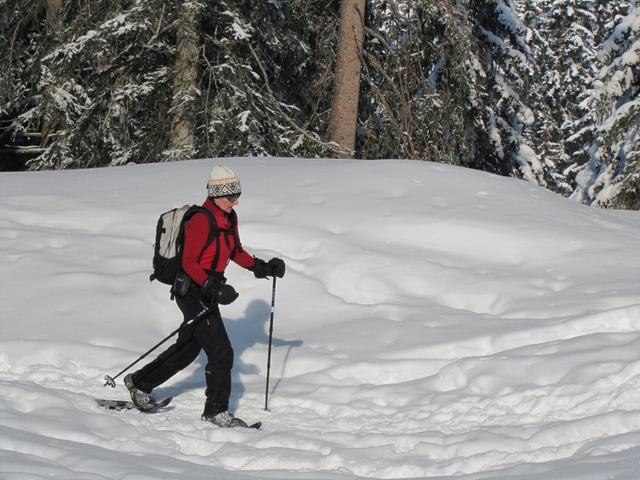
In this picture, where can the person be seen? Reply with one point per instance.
(203, 285)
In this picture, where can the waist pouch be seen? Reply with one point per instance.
(181, 284)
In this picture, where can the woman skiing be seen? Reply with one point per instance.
(207, 250)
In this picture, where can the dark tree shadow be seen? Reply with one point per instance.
(244, 333)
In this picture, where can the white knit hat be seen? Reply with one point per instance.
(223, 182)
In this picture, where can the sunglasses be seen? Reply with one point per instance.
(233, 198)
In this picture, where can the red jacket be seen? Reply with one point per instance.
(196, 262)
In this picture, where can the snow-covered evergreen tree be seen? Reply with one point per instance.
(508, 60)
(611, 176)
(100, 89)
(24, 34)
(103, 81)
(422, 85)
(564, 52)
(266, 79)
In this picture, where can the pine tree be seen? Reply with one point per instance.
(611, 177)
(102, 82)
(509, 62)
(422, 85)
(266, 78)
(565, 54)
(98, 86)
(24, 33)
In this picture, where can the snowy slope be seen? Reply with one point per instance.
(434, 322)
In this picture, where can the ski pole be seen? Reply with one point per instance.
(111, 381)
(273, 304)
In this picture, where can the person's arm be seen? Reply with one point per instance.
(240, 255)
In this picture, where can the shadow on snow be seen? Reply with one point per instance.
(244, 333)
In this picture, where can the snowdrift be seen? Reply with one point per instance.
(434, 322)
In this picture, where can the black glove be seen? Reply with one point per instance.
(215, 290)
(277, 267)
(260, 269)
(227, 294)
(273, 268)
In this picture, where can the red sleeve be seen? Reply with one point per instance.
(241, 256)
(195, 236)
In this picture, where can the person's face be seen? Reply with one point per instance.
(226, 204)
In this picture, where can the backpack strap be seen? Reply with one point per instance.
(160, 229)
(213, 228)
(233, 218)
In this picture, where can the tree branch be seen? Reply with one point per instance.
(330, 145)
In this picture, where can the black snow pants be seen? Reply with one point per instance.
(206, 334)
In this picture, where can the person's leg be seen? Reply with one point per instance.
(212, 337)
(179, 355)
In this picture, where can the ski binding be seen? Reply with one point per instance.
(118, 405)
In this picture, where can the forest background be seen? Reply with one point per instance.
(544, 90)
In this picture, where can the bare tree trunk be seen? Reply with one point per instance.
(185, 80)
(54, 20)
(54, 15)
(344, 114)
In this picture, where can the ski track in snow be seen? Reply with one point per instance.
(433, 322)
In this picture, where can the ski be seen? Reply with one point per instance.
(238, 422)
(118, 405)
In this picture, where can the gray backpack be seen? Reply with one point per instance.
(167, 251)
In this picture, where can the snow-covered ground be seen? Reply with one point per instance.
(434, 322)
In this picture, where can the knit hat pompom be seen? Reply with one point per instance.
(223, 182)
